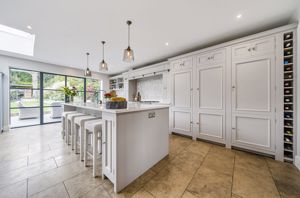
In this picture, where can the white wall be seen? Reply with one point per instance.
(7, 62)
(151, 88)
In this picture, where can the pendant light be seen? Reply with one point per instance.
(103, 64)
(128, 53)
(87, 72)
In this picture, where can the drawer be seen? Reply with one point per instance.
(182, 64)
(211, 57)
(254, 48)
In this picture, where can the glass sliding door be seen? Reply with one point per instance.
(24, 98)
(37, 97)
(53, 97)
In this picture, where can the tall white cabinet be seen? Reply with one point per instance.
(236, 93)
(181, 114)
(253, 95)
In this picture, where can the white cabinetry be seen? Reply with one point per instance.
(209, 99)
(253, 96)
(182, 102)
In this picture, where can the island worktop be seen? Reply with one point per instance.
(131, 107)
(133, 139)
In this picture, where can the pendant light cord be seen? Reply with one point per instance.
(87, 60)
(128, 35)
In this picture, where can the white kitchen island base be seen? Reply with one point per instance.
(133, 140)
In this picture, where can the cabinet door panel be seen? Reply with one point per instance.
(253, 131)
(211, 88)
(263, 46)
(253, 85)
(241, 51)
(107, 152)
(182, 121)
(182, 89)
(211, 125)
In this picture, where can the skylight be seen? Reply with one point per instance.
(16, 41)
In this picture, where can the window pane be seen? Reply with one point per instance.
(24, 116)
(78, 83)
(52, 114)
(92, 96)
(79, 97)
(24, 79)
(52, 81)
(53, 98)
(24, 98)
(92, 85)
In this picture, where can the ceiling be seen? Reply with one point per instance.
(66, 30)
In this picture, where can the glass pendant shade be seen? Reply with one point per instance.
(128, 55)
(87, 72)
(103, 66)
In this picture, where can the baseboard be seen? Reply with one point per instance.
(297, 161)
(5, 128)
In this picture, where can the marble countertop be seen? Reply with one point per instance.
(131, 107)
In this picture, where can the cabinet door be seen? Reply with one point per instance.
(182, 82)
(210, 109)
(253, 107)
(107, 149)
(182, 122)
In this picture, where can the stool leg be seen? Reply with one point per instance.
(85, 146)
(82, 130)
(63, 126)
(76, 137)
(67, 132)
(72, 134)
(95, 148)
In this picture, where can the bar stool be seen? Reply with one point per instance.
(92, 128)
(79, 123)
(63, 122)
(70, 128)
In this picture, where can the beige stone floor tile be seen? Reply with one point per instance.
(188, 194)
(132, 188)
(199, 148)
(251, 162)
(235, 196)
(247, 183)
(57, 191)
(210, 183)
(26, 172)
(162, 163)
(43, 181)
(66, 159)
(7, 166)
(287, 178)
(98, 192)
(81, 184)
(17, 190)
(142, 193)
(178, 144)
(169, 182)
(220, 159)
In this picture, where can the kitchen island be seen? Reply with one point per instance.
(133, 139)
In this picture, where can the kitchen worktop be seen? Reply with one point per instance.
(131, 107)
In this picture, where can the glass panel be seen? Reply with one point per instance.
(92, 85)
(52, 81)
(92, 96)
(78, 83)
(53, 98)
(24, 79)
(52, 114)
(24, 116)
(24, 98)
(79, 97)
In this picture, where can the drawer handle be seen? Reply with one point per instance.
(103, 142)
(197, 123)
(254, 48)
(249, 49)
(233, 128)
(191, 122)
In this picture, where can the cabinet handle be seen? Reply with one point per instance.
(103, 142)
(197, 123)
(191, 89)
(208, 58)
(233, 87)
(191, 122)
(254, 48)
(249, 49)
(198, 89)
(233, 128)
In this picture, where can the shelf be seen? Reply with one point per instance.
(288, 142)
(290, 135)
(286, 72)
(288, 64)
(288, 103)
(288, 56)
(288, 48)
(289, 127)
(288, 119)
(288, 150)
(288, 159)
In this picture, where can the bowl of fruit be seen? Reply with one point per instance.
(115, 102)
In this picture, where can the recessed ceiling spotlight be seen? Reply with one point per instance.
(239, 16)
(167, 44)
(29, 27)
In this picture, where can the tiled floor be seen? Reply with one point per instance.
(35, 162)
